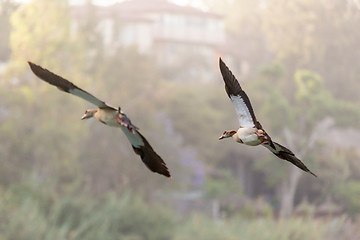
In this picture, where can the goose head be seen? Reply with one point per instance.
(88, 114)
(227, 134)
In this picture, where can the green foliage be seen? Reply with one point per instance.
(257, 208)
(202, 228)
(222, 185)
(314, 102)
(128, 217)
(308, 83)
(32, 33)
(6, 8)
(273, 107)
(275, 70)
(342, 174)
(349, 194)
(316, 35)
(76, 163)
(79, 218)
(45, 146)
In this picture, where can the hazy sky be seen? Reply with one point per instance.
(194, 3)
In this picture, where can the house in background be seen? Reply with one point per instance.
(177, 36)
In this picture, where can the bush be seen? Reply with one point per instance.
(81, 218)
(34, 216)
(202, 228)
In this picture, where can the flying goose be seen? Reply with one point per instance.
(250, 131)
(110, 116)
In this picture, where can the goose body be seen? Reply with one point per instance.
(251, 132)
(109, 116)
(247, 136)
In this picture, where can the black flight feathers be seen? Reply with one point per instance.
(49, 77)
(150, 158)
(65, 85)
(289, 156)
(233, 88)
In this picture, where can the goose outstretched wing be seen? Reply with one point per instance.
(149, 157)
(285, 154)
(239, 98)
(65, 85)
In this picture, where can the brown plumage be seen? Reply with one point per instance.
(251, 132)
(110, 116)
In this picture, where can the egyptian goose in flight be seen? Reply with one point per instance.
(110, 116)
(250, 131)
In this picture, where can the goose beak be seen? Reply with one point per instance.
(221, 137)
(83, 117)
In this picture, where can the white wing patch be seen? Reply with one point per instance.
(243, 113)
(88, 97)
(134, 139)
(276, 150)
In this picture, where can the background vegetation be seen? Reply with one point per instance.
(62, 178)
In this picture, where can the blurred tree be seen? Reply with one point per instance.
(45, 148)
(6, 9)
(86, 31)
(42, 139)
(110, 217)
(305, 126)
(34, 39)
(245, 40)
(313, 35)
(341, 177)
(129, 80)
(74, 162)
(317, 35)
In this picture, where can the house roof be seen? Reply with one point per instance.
(160, 6)
(133, 9)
